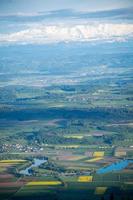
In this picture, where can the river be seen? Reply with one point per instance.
(37, 163)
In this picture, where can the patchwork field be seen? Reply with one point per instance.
(57, 186)
(66, 115)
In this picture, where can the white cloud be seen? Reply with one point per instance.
(67, 33)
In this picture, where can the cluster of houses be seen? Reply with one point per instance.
(19, 148)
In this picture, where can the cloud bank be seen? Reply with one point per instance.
(41, 34)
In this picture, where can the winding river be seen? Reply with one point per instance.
(37, 163)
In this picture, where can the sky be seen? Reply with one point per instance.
(34, 6)
(50, 21)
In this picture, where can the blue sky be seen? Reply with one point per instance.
(33, 6)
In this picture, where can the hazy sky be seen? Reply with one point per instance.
(32, 25)
(18, 6)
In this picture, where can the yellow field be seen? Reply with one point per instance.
(12, 161)
(94, 159)
(98, 154)
(74, 136)
(35, 183)
(85, 178)
(100, 190)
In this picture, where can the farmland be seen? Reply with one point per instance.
(78, 117)
(66, 175)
